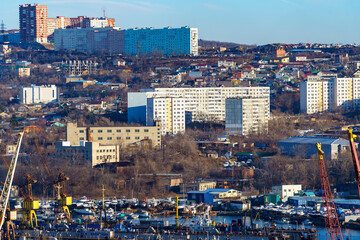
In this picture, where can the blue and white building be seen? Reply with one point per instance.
(165, 41)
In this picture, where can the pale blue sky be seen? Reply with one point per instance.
(240, 21)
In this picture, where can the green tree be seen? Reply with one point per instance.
(14, 121)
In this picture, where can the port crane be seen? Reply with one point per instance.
(29, 204)
(62, 199)
(332, 225)
(354, 157)
(5, 193)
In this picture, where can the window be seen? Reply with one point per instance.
(146, 130)
(81, 131)
(81, 139)
(109, 130)
(109, 138)
(99, 131)
(118, 130)
(137, 137)
(99, 138)
(127, 138)
(137, 130)
(127, 130)
(118, 138)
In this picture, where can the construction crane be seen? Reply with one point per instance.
(29, 204)
(332, 225)
(354, 157)
(5, 193)
(62, 199)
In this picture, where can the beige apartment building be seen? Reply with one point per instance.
(124, 136)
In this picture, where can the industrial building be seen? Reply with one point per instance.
(125, 136)
(39, 94)
(305, 146)
(212, 195)
(201, 104)
(95, 152)
(244, 116)
(286, 191)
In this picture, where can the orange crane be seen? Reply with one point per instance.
(354, 157)
(332, 225)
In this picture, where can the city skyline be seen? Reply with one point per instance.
(245, 22)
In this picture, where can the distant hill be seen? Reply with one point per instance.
(216, 44)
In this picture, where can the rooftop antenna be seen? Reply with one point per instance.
(104, 11)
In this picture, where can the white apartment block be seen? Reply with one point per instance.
(201, 104)
(328, 95)
(95, 152)
(170, 112)
(38, 94)
(246, 115)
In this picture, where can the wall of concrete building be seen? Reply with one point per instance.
(123, 136)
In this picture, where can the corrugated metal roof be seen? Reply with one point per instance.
(313, 140)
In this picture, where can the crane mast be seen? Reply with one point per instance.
(5, 193)
(332, 224)
(354, 157)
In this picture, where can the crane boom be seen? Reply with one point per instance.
(5, 193)
(332, 224)
(354, 157)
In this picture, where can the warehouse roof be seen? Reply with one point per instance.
(313, 140)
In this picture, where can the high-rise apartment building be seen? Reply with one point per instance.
(201, 104)
(170, 112)
(33, 23)
(38, 94)
(329, 94)
(81, 22)
(165, 41)
(35, 26)
(246, 115)
(147, 41)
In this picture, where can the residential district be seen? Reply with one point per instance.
(156, 122)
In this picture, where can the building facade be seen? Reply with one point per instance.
(166, 41)
(123, 136)
(201, 104)
(305, 147)
(170, 112)
(39, 94)
(286, 191)
(33, 23)
(246, 115)
(94, 152)
(320, 95)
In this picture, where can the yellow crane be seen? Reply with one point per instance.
(62, 199)
(5, 193)
(29, 204)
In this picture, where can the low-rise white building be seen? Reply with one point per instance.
(286, 191)
(39, 94)
(92, 151)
